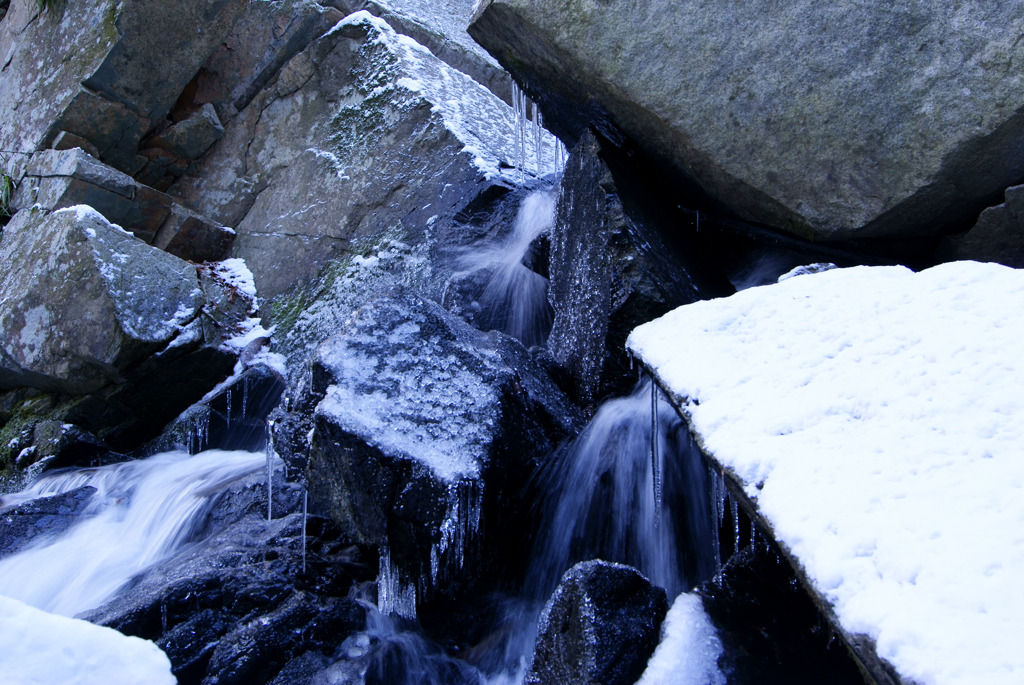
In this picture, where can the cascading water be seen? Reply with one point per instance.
(141, 513)
(514, 300)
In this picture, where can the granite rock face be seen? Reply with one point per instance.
(364, 133)
(830, 121)
(113, 73)
(600, 626)
(129, 333)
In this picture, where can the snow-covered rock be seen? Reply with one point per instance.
(874, 417)
(42, 648)
(423, 420)
(89, 310)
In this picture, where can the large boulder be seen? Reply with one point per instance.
(362, 134)
(128, 334)
(832, 121)
(105, 71)
(600, 626)
(424, 423)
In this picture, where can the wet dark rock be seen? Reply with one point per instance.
(823, 120)
(237, 606)
(233, 418)
(600, 626)
(771, 630)
(998, 236)
(610, 272)
(23, 524)
(421, 413)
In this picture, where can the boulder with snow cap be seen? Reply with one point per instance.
(425, 421)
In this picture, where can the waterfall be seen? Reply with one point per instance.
(603, 503)
(515, 299)
(142, 512)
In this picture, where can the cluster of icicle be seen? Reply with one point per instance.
(530, 133)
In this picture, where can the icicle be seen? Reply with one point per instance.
(227, 395)
(305, 510)
(536, 138)
(734, 507)
(698, 220)
(393, 596)
(270, 469)
(245, 397)
(655, 455)
(717, 504)
(753, 534)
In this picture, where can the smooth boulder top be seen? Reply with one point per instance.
(831, 121)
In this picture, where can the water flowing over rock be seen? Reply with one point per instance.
(833, 121)
(425, 422)
(600, 626)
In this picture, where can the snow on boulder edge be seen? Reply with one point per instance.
(873, 416)
(43, 648)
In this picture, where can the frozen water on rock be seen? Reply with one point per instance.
(515, 299)
(141, 513)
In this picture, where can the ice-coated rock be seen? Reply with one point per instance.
(832, 120)
(600, 626)
(363, 133)
(423, 421)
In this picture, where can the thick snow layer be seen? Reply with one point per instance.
(42, 649)
(876, 417)
(483, 123)
(689, 648)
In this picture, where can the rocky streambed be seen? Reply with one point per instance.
(336, 234)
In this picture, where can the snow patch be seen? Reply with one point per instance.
(689, 649)
(42, 648)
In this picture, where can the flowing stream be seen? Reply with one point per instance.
(141, 513)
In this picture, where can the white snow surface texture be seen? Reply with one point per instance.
(42, 649)
(876, 417)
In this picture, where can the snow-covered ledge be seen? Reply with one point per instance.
(874, 419)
